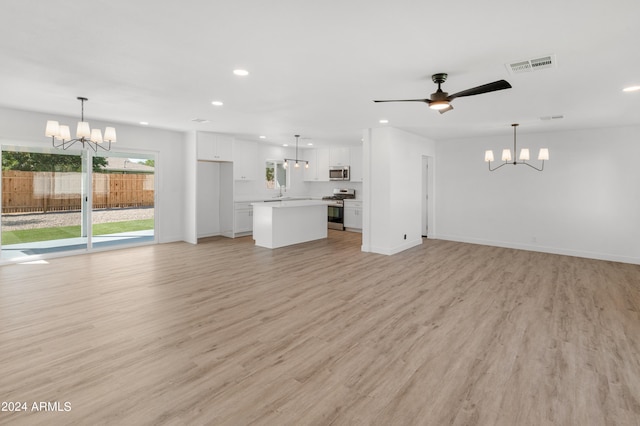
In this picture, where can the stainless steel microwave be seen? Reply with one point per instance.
(339, 173)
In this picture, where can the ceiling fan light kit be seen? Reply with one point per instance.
(543, 155)
(88, 137)
(438, 105)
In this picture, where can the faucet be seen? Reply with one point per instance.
(285, 189)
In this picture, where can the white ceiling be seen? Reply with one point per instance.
(315, 66)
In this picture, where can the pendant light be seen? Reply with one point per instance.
(88, 137)
(286, 160)
(543, 155)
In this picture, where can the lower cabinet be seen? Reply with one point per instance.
(243, 219)
(353, 215)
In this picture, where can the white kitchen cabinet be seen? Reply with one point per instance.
(339, 157)
(214, 147)
(245, 160)
(356, 164)
(353, 214)
(285, 223)
(318, 170)
(310, 173)
(243, 218)
(322, 164)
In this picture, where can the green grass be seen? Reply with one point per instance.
(62, 232)
(117, 227)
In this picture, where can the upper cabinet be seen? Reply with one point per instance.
(321, 159)
(245, 160)
(214, 147)
(318, 170)
(356, 164)
(339, 157)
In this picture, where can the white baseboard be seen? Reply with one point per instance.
(395, 250)
(542, 249)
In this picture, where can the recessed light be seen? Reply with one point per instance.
(285, 144)
(310, 144)
(144, 123)
(216, 103)
(631, 89)
(262, 137)
(384, 121)
(241, 72)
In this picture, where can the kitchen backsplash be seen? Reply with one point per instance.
(258, 189)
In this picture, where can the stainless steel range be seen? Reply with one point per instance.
(335, 208)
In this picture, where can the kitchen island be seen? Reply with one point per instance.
(283, 223)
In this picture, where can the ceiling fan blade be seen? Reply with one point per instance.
(443, 110)
(485, 88)
(407, 100)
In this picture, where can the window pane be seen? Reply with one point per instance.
(123, 200)
(270, 176)
(41, 203)
(276, 175)
(281, 175)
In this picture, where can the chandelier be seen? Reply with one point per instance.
(286, 160)
(543, 155)
(88, 137)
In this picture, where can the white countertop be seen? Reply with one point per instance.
(244, 199)
(290, 203)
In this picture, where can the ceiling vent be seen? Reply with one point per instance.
(552, 117)
(528, 65)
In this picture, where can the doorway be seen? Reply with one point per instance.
(427, 196)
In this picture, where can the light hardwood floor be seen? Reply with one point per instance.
(321, 333)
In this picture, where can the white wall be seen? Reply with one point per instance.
(585, 203)
(190, 213)
(27, 128)
(392, 189)
(321, 189)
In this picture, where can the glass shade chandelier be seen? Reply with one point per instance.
(85, 135)
(296, 164)
(543, 155)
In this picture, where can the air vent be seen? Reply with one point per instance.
(532, 64)
(551, 117)
(200, 120)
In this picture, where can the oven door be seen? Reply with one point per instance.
(335, 219)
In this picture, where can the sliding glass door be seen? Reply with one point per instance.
(123, 199)
(42, 202)
(56, 201)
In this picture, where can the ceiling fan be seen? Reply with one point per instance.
(441, 101)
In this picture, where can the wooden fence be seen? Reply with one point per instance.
(52, 191)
